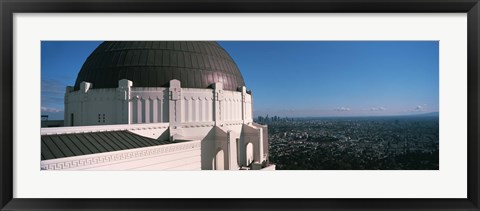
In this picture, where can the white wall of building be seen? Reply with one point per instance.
(136, 105)
(232, 139)
(197, 105)
(178, 156)
(218, 121)
(148, 105)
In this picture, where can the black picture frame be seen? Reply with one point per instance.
(9, 7)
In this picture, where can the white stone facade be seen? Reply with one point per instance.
(135, 105)
(210, 129)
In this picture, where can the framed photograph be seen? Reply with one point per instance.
(164, 105)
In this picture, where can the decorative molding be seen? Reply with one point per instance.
(197, 124)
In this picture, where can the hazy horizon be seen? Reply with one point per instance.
(426, 114)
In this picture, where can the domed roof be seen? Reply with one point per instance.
(154, 63)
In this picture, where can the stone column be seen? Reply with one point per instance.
(260, 144)
(84, 87)
(232, 150)
(244, 104)
(217, 101)
(124, 95)
(175, 106)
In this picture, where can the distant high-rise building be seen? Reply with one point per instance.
(157, 105)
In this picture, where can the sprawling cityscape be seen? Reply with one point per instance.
(354, 143)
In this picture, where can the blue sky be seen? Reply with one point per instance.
(297, 78)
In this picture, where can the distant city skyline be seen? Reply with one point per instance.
(296, 78)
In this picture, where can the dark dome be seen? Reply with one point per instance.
(155, 63)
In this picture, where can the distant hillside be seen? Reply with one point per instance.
(430, 114)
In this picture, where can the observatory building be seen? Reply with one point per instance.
(157, 105)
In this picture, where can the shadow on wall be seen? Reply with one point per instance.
(230, 150)
(214, 142)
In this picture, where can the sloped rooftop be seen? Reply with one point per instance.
(68, 145)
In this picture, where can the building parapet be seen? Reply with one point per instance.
(101, 128)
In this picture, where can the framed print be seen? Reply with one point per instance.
(304, 105)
